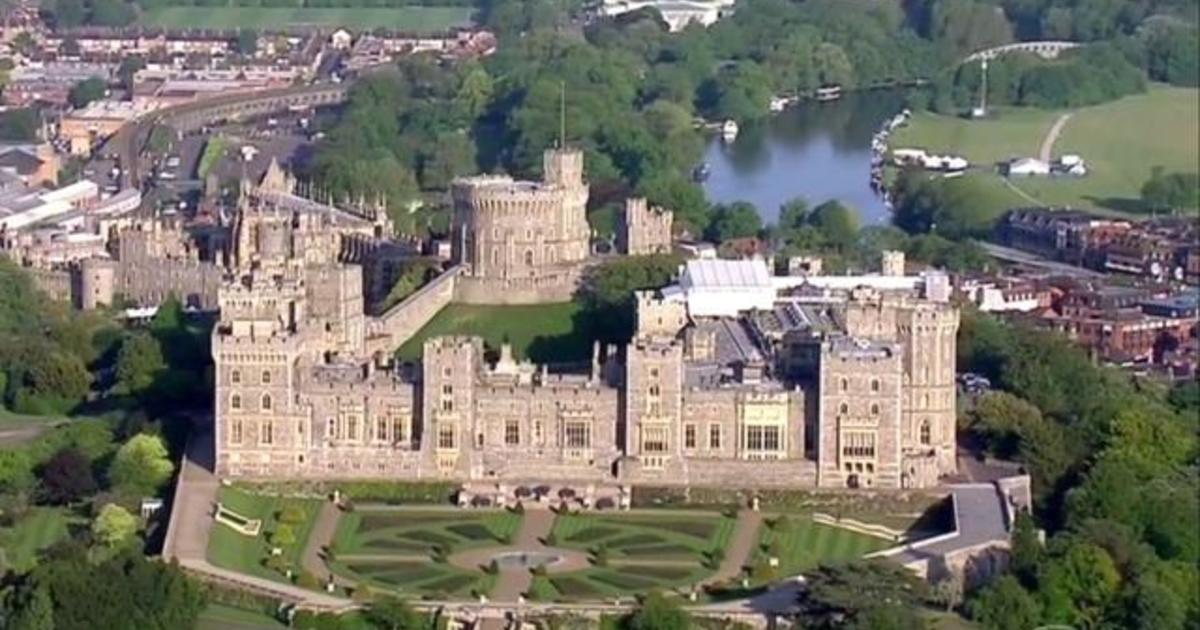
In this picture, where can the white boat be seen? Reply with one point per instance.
(729, 130)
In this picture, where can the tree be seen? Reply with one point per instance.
(1005, 605)
(393, 613)
(112, 13)
(1079, 585)
(1171, 191)
(69, 13)
(139, 363)
(16, 471)
(608, 289)
(283, 536)
(114, 525)
(19, 124)
(736, 220)
(141, 466)
(67, 477)
(656, 612)
(86, 91)
(247, 42)
(125, 72)
(849, 593)
(838, 223)
(451, 156)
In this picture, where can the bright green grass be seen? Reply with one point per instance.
(415, 533)
(1121, 142)
(806, 544)
(222, 617)
(541, 332)
(214, 150)
(229, 549)
(39, 529)
(408, 19)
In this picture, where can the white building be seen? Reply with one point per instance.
(1027, 167)
(724, 288)
(677, 13)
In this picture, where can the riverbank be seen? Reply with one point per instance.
(1121, 143)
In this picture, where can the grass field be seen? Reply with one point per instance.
(408, 19)
(39, 529)
(542, 332)
(802, 544)
(1121, 142)
(214, 150)
(413, 532)
(229, 549)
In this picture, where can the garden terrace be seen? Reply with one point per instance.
(230, 549)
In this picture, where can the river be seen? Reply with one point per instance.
(816, 151)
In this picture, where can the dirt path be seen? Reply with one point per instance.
(512, 582)
(320, 538)
(1047, 148)
(741, 545)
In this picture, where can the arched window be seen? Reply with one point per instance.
(235, 377)
(529, 258)
(235, 401)
(874, 410)
(845, 384)
(266, 377)
(875, 385)
(925, 432)
(843, 409)
(266, 402)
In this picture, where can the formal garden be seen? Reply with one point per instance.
(262, 535)
(407, 549)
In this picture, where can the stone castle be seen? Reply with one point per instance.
(835, 384)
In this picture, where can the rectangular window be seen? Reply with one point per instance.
(858, 444)
(381, 427)
(578, 434)
(654, 439)
(235, 433)
(446, 436)
(447, 405)
(689, 436)
(352, 426)
(447, 390)
(512, 432)
(761, 438)
(399, 429)
(268, 432)
(537, 431)
(714, 436)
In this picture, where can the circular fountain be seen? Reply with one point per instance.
(526, 559)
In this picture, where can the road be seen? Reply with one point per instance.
(128, 142)
(1017, 256)
(1047, 148)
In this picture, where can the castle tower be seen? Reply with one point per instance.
(929, 334)
(858, 439)
(522, 242)
(644, 229)
(654, 383)
(97, 279)
(448, 432)
(893, 263)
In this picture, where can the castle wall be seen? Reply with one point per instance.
(399, 323)
(56, 283)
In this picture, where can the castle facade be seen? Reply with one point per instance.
(822, 382)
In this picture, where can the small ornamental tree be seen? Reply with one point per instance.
(67, 477)
(283, 536)
(114, 525)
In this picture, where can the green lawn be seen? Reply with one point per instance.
(232, 550)
(674, 537)
(417, 532)
(415, 19)
(214, 150)
(38, 529)
(804, 544)
(541, 332)
(1121, 142)
(222, 617)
